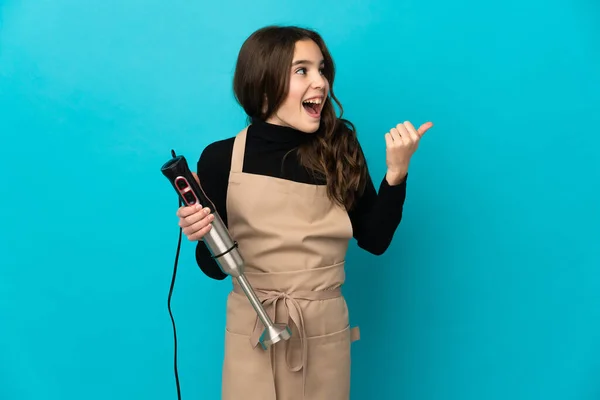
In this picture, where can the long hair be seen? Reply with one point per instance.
(262, 75)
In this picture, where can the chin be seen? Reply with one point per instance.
(309, 127)
(309, 124)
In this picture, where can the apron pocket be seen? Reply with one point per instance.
(328, 366)
(247, 372)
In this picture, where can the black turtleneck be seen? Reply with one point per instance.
(374, 218)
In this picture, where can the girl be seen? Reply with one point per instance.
(293, 188)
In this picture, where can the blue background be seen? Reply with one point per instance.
(491, 288)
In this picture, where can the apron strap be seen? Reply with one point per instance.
(354, 334)
(239, 148)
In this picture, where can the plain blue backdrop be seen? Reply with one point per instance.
(491, 288)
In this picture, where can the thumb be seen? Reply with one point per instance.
(424, 128)
(196, 177)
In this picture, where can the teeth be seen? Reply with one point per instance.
(314, 101)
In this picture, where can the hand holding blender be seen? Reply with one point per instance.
(220, 244)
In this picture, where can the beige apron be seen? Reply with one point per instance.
(294, 241)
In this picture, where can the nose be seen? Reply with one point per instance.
(319, 81)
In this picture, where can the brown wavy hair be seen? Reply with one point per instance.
(263, 73)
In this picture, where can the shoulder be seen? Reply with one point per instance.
(216, 154)
(217, 150)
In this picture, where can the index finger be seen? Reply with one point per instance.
(186, 211)
(411, 130)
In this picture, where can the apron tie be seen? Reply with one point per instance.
(269, 300)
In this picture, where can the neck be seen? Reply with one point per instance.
(278, 133)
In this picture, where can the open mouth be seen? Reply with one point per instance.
(313, 106)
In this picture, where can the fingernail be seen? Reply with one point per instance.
(198, 206)
(207, 211)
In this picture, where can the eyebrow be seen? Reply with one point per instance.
(298, 62)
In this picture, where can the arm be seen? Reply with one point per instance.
(376, 216)
(213, 174)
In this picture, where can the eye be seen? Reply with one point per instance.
(301, 70)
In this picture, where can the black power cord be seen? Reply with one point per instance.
(169, 301)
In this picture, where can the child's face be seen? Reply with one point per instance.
(308, 90)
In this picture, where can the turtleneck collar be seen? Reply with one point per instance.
(278, 134)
